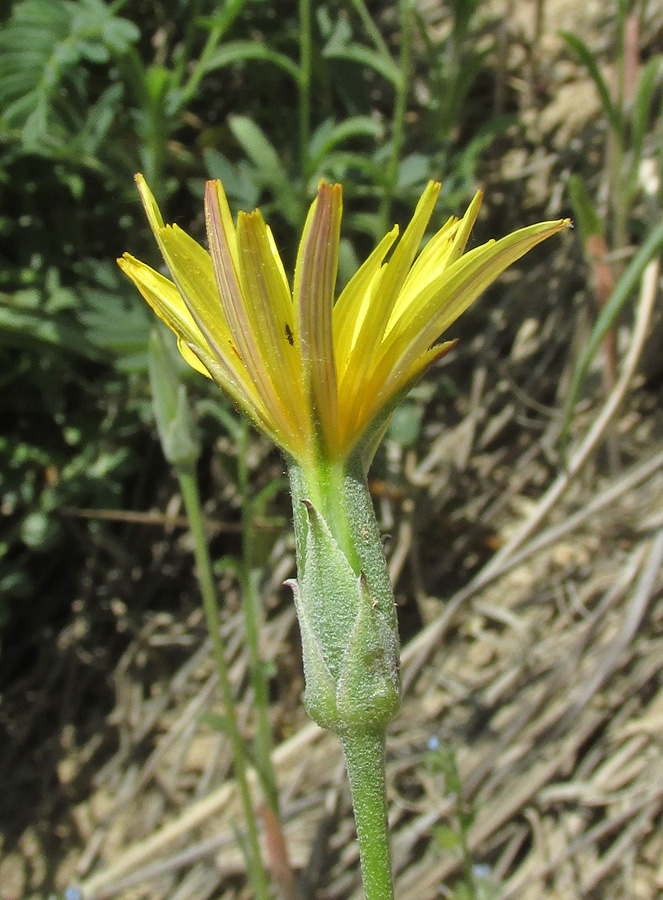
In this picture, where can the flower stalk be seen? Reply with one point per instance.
(180, 446)
(363, 752)
(252, 622)
(191, 497)
(347, 615)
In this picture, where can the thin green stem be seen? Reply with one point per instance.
(154, 127)
(252, 620)
(226, 18)
(400, 106)
(371, 28)
(305, 62)
(363, 750)
(185, 48)
(189, 488)
(468, 866)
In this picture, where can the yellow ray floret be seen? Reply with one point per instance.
(314, 374)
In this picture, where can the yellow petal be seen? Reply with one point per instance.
(403, 381)
(466, 226)
(235, 307)
(351, 307)
(397, 268)
(315, 282)
(386, 286)
(442, 301)
(191, 268)
(150, 205)
(271, 316)
(440, 252)
(165, 300)
(318, 377)
(227, 223)
(192, 271)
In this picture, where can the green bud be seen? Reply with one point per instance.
(369, 691)
(171, 406)
(344, 601)
(320, 696)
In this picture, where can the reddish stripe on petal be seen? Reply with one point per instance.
(234, 306)
(316, 283)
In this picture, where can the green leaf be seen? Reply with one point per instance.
(238, 182)
(405, 424)
(218, 723)
(368, 223)
(259, 149)
(171, 405)
(329, 135)
(266, 495)
(364, 56)
(606, 320)
(233, 424)
(587, 58)
(117, 328)
(348, 262)
(247, 51)
(413, 170)
(20, 327)
(446, 836)
(584, 212)
(224, 17)
(338, 164)
(641, 114)
(227, 565)
(45, 51)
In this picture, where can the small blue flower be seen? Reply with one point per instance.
(434, 742)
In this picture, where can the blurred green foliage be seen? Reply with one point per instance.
(631, 187)
(476, 883)
(93, 91)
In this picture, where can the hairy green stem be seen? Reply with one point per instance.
(363, 751)
(191, 497)
(347, 618)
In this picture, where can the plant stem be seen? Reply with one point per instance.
(230, 12)
(153, 128)
(189, 488)
(371, 28)
(305, 56)
(347, 617)
(252, 621)
(363, 750)
(398, 128)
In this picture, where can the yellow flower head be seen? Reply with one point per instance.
(318, 376)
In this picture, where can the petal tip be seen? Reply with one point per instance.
(334, 191)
